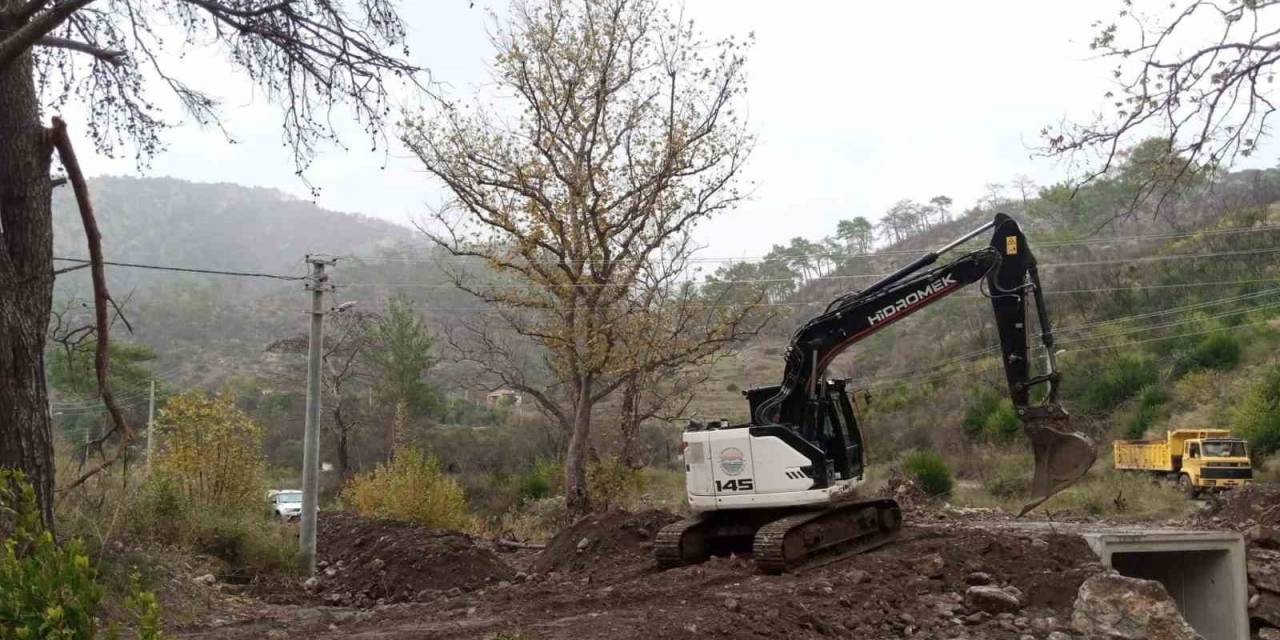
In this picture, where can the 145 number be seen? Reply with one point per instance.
(739, 484)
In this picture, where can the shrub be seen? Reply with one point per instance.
(990, 417)
(982, 405)
(611, 484)
(47, 590)
(542, 481)
(1257, 418)
(928, 470)
(211, 451)
(1118, 380)
(1219, 350)
(410, 487)
(1149, 402)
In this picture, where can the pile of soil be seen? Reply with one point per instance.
(365, 561)
(1242, 508)
(604, 542)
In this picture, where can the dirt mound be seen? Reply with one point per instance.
(365, 561)
(1244, 507)
(605, 541)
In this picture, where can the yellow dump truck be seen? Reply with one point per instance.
(1197, 459)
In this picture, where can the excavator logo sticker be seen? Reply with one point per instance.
(912, 299)
(1011, 246)
(732, 461)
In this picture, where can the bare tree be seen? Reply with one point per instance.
(307, 55)
(624, 139)
(1198, 75)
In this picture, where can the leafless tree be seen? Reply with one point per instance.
(626, 137)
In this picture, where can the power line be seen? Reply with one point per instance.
(217, 272)
(874, 254)
(1050, 265)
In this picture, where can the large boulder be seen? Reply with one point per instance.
(1264, 569)
(991, 600)
(1265, 611)
(1116, 607)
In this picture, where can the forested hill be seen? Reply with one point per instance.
(212, 225)
(215, 326)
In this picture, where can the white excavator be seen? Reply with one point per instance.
(784, 484)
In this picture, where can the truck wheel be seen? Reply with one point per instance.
(1184, 483)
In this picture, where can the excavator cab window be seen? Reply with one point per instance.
(846, 442)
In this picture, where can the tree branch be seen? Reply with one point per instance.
(30, 33)
(101, 297)
(112, 57)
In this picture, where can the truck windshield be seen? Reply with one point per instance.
(289, 497)
(1223, 449)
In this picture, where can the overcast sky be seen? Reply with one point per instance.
(856, 105)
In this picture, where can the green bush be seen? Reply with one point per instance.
(612, 484)
(989, 416)
(1220, 350)
(1257, 418)
(410, 487)
(1117, 380)
(928, 470)
(47, 590)
(542, 481)
(1149, 402)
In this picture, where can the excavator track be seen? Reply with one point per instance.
(681, 543)
(845, 529)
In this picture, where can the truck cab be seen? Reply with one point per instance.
(1215, 461)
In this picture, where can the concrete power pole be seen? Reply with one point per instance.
(151, 425)
(311, 439)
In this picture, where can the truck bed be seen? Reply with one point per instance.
(1143, 455)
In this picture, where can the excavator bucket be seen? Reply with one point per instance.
(1061, 458)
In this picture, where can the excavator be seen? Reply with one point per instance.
(786, 481)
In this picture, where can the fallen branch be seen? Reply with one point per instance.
(513, 544)
(101, 297)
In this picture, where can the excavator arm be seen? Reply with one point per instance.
(1009, 267)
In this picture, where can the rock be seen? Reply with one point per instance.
(454, 592)
(856, 576)
(276, 634)
(1264, 569)
(311, 584)
(977, 618)
(731, 604)
(583, 544)
(1268, 633)
(207, 579)
(1044, 625)
(1116, 607)
(1039, 543)
(931, 566)
(1057, 635)
(1263, 536)
(991, 600)
(1266, 610)
(376, 564)
(977, 578)
(1015, 592)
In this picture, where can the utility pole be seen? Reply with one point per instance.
(317, 285)
(151, 425)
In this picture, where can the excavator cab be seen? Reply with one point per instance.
(833, 428)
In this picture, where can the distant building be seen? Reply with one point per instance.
(504, 398)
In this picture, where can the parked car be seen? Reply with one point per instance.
(286, 504)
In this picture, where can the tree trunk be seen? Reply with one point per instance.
(630, 426)
(575, 464)
(26, 282)
(344, 459)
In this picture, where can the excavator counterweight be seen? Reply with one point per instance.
(783, 483)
